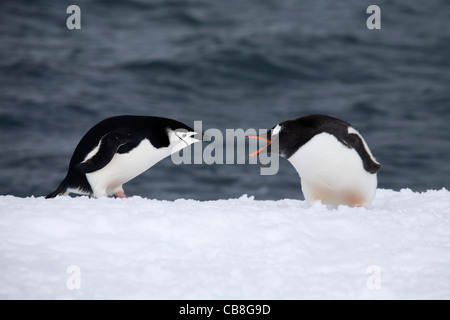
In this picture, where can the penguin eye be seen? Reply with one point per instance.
(180, 135)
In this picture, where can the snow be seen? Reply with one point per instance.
(137, 248)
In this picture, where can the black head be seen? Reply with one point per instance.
(287, 137)
(280, 140)
(179, 132)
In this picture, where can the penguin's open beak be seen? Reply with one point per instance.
(263, 148)
(190, 137)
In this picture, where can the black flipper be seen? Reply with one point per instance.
(109, 145)
(355, 142)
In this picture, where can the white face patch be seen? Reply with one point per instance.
(353, 130)
(276, 130)
(180, 139)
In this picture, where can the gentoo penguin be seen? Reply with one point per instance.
(332, 159)
(120, 148)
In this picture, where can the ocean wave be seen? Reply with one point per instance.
(26, 69)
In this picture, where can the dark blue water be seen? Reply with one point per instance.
(231, 64)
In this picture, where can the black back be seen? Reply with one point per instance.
(295, 133)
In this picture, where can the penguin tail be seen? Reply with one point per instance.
(61, 190)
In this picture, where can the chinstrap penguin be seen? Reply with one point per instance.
(333, 161)
(119, 149)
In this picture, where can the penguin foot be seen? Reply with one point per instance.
(120, 194)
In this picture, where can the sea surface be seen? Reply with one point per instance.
(231, 64)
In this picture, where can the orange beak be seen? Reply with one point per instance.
(258, 151)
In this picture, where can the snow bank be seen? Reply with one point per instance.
(71, 248)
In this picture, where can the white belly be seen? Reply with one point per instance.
(333, 173)
(124, 167)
